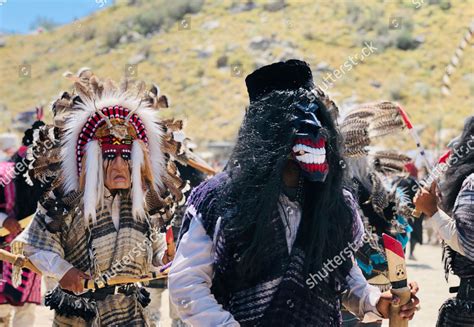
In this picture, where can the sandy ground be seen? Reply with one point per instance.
(427, 271)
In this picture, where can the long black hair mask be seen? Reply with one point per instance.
(461, 165)
(256, 166)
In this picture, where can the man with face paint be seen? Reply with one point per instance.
(117, 168)
(114, 187)
(269, 241)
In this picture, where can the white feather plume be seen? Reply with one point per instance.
(94, 181)
(138, 195)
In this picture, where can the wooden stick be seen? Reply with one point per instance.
(92, 285)
(394, 315)
(202, 167)
(421, 150)
(18, 260)
(397, 274)
(23, 223)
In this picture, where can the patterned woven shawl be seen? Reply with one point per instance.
(102, 251)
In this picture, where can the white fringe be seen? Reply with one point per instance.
(94, 181)
(138, 195)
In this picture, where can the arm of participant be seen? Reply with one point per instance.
(446, 227)
(361, 298)
(49, 263)
(190, 280)
(464, 217)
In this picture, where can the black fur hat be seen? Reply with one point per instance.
(289, 75)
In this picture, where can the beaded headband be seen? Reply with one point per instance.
(113, 127)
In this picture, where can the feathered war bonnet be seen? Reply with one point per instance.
(104, 116)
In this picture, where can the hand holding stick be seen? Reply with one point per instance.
(426, 201)
(404, 309)
(88, 284)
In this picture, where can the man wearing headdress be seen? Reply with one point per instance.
(114, 189)
(267, 242)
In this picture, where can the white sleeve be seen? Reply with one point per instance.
(190, 281)
(361, 298)
(3, 217)
(49, 263)
(446, 227)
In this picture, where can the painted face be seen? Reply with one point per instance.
(117, 167)
(309, 144)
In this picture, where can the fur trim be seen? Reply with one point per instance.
(83, 111)
(138, 195)
(94, 181)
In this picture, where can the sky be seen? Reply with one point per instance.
(17, 16)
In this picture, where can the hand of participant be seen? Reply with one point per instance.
(73, 280)
(407, 311)
(427, 201)
(167, 257)
(12, 225)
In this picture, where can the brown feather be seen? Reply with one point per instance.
(172, 125)
(82, 90)
(110, 87)
(162, 102)
(96, 86)
(124, 85)
(140, 87)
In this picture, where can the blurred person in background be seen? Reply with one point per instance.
(18, 201)
(383, 210)
(452, 215)
(157, 287)
(410, 184)
(8, 146)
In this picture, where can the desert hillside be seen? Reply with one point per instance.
(199, 52)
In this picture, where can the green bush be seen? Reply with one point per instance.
(52, 67)
(353, 12)
(179, 8)
(405, 41)
(149, 22)
(112, 38)
(396, 92)
(164, 14)
(88, 33)
(445, 5)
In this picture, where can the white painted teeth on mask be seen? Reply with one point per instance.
(317, 151)
(320, 151)
(311, 158)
